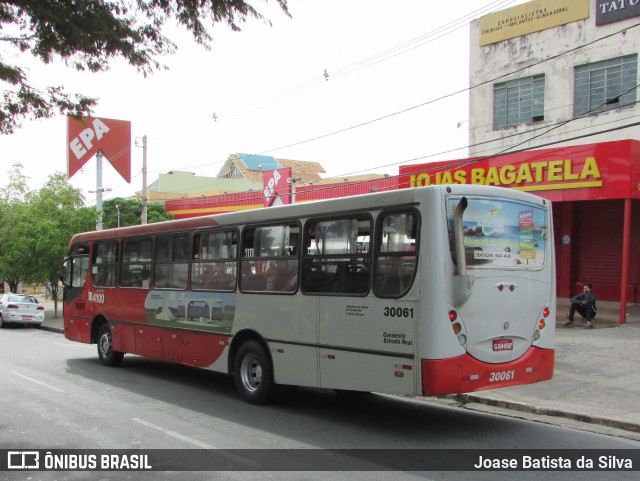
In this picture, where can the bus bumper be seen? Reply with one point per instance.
(466, 374)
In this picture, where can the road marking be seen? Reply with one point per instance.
(174, 434)
(195, 442)
(39, 383)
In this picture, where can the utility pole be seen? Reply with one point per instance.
(292, 181)
(99, 189)
(143, 215)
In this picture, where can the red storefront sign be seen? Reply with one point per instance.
(277, 189)
(581, 172)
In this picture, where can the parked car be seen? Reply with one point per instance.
(20, 309)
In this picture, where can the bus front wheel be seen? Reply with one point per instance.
(107, 355)
(253, 374)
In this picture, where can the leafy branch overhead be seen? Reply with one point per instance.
(86, 35)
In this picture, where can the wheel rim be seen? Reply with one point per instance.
(251, 372)
(105, 344)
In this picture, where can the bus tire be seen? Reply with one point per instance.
(107, 355)
(253, 374)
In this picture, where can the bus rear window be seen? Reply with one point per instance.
(501, 233)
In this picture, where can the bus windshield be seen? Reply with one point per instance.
(501, 233)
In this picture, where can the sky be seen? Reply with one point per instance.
(394, 94)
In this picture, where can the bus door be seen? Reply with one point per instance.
(368, 309)
(74, 274)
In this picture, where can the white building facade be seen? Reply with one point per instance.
(554, 73)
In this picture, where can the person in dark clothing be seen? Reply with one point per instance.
(585, 305)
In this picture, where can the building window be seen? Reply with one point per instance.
(234, 173)
(606, 85)
(518, 101)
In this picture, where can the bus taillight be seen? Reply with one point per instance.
(545, 312)
(457, 327)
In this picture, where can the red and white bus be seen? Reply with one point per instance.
(431, 290)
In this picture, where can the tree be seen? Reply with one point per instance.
(129, 211)
(12, 200)
(87, 34)
(41, 230)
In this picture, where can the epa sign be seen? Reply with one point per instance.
(88, 136)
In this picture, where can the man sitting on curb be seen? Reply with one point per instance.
(585, 304)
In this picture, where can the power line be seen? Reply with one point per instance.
(392, 52)
(452, 166)
(444, 97)
(429, 102)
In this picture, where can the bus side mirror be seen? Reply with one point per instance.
(63, 275)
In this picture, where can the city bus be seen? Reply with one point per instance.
(424, 291)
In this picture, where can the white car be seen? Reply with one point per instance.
(20, 309)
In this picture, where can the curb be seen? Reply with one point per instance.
(51, 329)
(528, 408)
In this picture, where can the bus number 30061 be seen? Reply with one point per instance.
(398, 312)
(502, 376)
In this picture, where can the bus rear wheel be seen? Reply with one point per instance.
(253, 374)
(107, 355)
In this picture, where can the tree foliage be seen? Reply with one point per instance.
(129, 211)
(35, 232)
(87, 34)
(36, 227)
(12, 199)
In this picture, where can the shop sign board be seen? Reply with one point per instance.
(609, 170)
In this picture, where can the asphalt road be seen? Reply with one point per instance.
(56, 395)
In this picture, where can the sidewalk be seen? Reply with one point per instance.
(596, 378)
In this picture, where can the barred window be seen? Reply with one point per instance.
(605, 85)
(518, 101)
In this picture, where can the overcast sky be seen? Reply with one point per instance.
(392, 67)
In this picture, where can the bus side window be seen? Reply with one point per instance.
(171, 269)
(270, 261)
(79, 270)
(105, 264)
(214, 265)
(336, 258)
(135, 268)
(396, 254)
